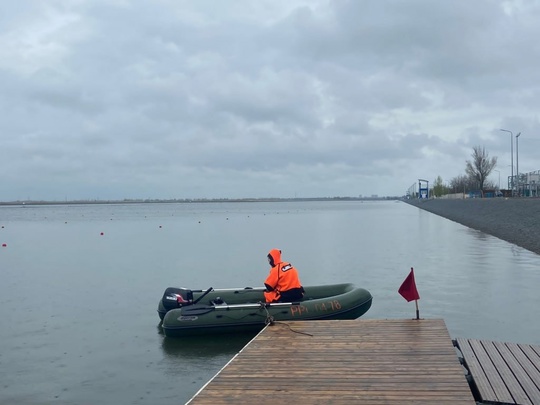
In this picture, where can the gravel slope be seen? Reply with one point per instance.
(515, 220)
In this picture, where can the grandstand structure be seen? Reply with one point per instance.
(525, 184)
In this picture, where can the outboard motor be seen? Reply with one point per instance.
(176, 298)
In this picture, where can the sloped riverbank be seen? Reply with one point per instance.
(515, 220)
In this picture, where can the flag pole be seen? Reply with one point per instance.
(409, 292)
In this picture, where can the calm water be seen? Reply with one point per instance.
(78, 307)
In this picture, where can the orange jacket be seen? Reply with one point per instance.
(283, 277)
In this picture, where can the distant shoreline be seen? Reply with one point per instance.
(194, 200)
(515, 220)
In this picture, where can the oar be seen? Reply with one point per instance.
(203, 309)
(248, 289)
(201, 297)
(235, 290)
(197, 310)
(261, 305)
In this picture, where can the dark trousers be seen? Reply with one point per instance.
(292, 295)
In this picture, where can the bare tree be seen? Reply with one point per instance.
(480, 167)
(460, 184)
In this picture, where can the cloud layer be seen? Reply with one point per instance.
(177, 99)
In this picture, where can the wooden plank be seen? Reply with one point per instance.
(521, 368)
(532, 353)
(473, 365)
(497, 368)
(528, 360)
(362, 361)
(504, 372)
(501, 392)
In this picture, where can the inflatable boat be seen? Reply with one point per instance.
(233, 310)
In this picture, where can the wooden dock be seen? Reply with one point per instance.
(505, 373)
(342, 362)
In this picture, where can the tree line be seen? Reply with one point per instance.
(477, 171)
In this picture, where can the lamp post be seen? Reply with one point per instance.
(509, 181)
(495, 170)
(511, 157)
(517, 161)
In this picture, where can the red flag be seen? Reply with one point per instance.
(408, 288)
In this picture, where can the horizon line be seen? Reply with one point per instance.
(189, 200)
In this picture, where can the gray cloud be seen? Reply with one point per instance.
(177, 99)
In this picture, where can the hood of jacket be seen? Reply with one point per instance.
(275, 254)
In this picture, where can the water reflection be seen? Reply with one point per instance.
(194, 360)
(481, 236)
(202, 347)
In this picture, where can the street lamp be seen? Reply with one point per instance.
(517, 161)
(510, 181)
(511, 156)
(495, 170)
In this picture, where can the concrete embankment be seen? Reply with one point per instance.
(515, 220)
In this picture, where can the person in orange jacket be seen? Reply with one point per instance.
(283, 283)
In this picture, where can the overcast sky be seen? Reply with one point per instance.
(281, 98)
